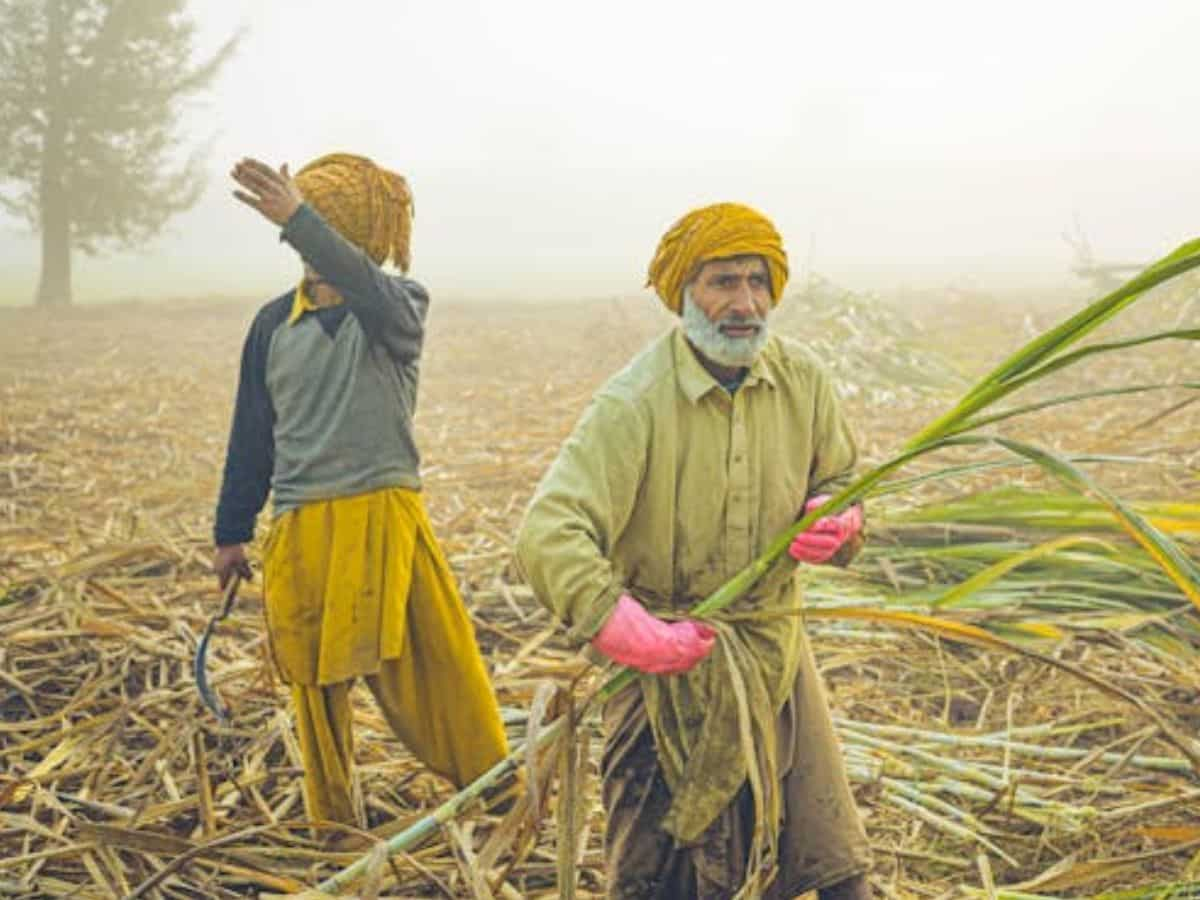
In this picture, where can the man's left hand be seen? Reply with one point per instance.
(827, 535)
(272, 193)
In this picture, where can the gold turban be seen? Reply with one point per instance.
(369, 206)
(715, 232)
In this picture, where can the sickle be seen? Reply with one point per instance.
(199, 665)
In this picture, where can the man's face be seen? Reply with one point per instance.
(320, 291)
(725, 309)
(734, 294)
(311, 279)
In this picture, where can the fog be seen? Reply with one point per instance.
(549, 144)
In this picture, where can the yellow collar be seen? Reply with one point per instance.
(302, 303)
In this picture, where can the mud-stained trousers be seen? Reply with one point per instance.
(821, 840)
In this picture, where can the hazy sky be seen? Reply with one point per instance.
(550, 144)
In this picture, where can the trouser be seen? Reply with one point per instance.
(452, 738)
(821, 838)
(358, 586)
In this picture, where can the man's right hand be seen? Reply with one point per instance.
(231, 559)
(635, 638)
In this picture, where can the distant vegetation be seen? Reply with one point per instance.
(90, 97)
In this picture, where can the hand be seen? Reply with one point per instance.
(826, 535)
(635, 638)
(274, 194)
(231, 559)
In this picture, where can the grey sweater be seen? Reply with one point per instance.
(325, 404)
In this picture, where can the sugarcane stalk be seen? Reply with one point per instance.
(424, 827)
(911, 792)
(1037, 810)
(941, 823)
(1154, 763)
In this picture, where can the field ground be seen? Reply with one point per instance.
(114, 781)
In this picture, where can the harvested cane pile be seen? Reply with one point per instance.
(974, 768)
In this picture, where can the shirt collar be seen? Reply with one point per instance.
(695, 380)
(302, 303)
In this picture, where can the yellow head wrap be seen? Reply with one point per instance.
(715, 232)
(369, 206)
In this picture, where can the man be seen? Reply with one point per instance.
(684, 467)
(354, 581)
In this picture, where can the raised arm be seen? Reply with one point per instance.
(390, 308)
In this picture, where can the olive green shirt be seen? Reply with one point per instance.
(667, 487)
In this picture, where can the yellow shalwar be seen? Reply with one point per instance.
(357, 586)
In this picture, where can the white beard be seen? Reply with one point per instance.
(708, 338)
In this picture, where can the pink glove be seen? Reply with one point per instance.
(635, 638)
(826, 535)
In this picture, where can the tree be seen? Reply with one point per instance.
(91, 93)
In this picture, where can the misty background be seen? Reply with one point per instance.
(549, 145)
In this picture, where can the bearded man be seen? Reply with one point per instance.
(355, 584)
(684, 467)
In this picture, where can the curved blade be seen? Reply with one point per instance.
(200, 663)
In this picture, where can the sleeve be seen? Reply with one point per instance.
(834, 451)
(579, 512)
(391, 309)
(834, 457)
(250, 455)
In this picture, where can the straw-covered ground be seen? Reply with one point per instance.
(975, 769)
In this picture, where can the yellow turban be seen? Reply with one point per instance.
(715, 232)
(369, 206)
